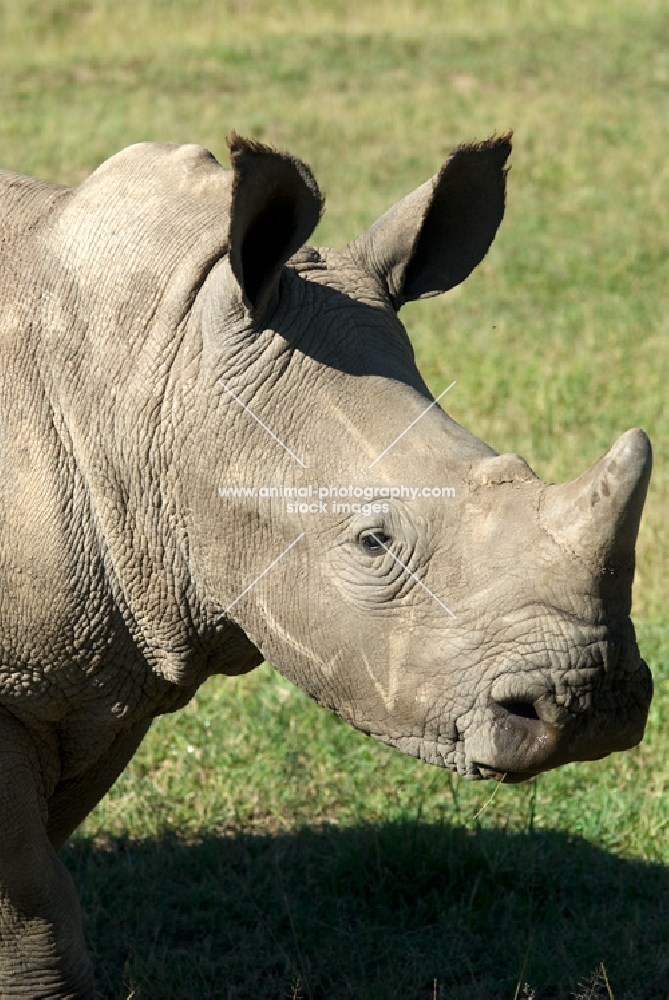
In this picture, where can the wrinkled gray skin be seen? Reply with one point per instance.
(134, 307)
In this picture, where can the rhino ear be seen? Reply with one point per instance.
(275, 206)
(432, 239)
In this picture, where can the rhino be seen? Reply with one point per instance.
(217, 450)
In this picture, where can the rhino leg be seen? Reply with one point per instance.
(72, 800)
(42, 950)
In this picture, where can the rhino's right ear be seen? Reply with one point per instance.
(275, 207)
(432, 239)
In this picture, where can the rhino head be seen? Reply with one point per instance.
(480, 622)
(485, 628)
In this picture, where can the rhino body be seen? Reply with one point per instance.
(167, 337)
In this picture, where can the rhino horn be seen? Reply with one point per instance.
(597, 515)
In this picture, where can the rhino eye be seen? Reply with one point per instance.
(374, 541)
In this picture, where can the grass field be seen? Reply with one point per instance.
(256, 847)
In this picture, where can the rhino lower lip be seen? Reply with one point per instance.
(518, 744)
(507, 777)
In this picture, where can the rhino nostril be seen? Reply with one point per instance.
(524, 709)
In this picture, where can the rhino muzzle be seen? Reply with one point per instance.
(524, 738)
(604, 706)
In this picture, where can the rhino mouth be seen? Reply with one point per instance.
(519, 736)
(525, 738)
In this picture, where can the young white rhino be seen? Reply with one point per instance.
(169, 341)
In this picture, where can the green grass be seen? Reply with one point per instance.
(254, 753)
(256, 841)
(275, 852)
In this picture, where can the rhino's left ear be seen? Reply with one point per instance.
(275, 207)
(432, 239)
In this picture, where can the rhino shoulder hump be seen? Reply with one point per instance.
(165, 165)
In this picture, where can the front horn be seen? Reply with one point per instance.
(597, 515)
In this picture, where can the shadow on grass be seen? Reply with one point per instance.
(374, 913)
